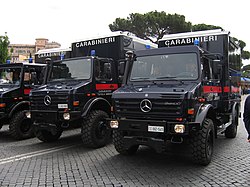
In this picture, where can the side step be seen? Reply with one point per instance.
(222, 128)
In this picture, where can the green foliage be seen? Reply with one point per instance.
(245, 55)
(4, 43)
(152, 25)
(246, 71)
(201, 27)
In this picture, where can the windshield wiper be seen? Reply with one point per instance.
(140, 78)
(170, 78)
(167, 77)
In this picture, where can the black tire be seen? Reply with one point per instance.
(202, 143)
(95, 130)
(231, 131)
(119, 144)
(20, 126)
(47, 136)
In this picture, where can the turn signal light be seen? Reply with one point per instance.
(2, 105)
(91, 94)
(201, 100)
(191, 111)
(179, 119)
(76, 103)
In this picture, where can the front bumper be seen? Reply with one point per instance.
(142, 132)
(3, 117)
(132, 125)
(48, 119)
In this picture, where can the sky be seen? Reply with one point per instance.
(66, 21)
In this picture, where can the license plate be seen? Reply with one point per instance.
(62, 105)
(155, 129)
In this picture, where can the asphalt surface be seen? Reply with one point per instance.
(68, 163)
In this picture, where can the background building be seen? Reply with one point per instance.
(23, 52)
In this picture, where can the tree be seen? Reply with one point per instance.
(4, 43)
(201, 27)
(152, 25)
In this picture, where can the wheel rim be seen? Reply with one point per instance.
(25, 125)
(101, 130)
(209, 147)
(235, 124)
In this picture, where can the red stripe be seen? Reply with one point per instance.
(106, 86)
(226, 89)
(217, 89)
(27, 91)
(235, 89)
(211, 89)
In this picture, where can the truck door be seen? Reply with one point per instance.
(32, 78)
(212, 88)
(105, 77)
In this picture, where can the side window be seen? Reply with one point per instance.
(32, 76)
(103, 71)
(207, 71)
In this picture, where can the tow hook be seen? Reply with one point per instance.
(65, 125)
(176, 139)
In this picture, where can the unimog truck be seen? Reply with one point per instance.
(78, 89)
(187, 90)
(16, 82)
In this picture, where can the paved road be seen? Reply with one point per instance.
(67, 163)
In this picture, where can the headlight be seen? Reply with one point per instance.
(28, 114)
(178, 128)
(114, 124)
(66, 116)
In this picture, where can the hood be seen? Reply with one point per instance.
(7, 90)
(63, 86)
(4, 89)
(153, 90)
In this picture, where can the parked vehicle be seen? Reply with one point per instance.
(179, 92)
(16, 82)
(54, 54)
(78, 90)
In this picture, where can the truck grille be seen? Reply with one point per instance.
(37, 101)
(166, 107)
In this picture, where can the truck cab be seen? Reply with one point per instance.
(73, 87)
(176, 94)
(16, 82)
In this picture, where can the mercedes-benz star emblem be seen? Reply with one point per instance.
(145, 105)
(47, 100)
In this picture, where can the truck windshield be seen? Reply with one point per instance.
(165, 67)
(10, 76)
(71, 69)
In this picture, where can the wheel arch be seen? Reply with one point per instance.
(24, 105)
(96, 104)
(205, 111)
(236, 109)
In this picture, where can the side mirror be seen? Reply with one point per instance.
(217, 66)
(121, 67)
(107, 68)
(33, 77)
